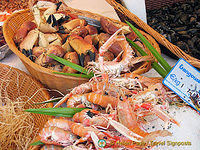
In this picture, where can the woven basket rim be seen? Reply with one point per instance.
(46, 94)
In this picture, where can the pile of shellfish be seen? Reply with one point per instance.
(55, 31)
(116, 110)
(180, 24)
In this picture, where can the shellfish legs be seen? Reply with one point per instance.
(115, 67)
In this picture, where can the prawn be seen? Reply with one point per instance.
(90, 117)
(128, 118)
(60, 123)
(102, 100)
(142, 79)
(97, 85)
(77, 101)
(51, 147)
(56, 136)
(81, 89)
(114, 68)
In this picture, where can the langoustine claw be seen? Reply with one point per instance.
(115, 48)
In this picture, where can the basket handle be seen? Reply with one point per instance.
(160, 38)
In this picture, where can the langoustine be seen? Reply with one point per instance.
(115, 67)
(124, 118)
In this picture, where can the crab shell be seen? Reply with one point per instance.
(69, 26)
(23, 31)
(30, 40)
(37, 51)
(72, 57)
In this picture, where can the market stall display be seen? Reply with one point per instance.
(104, 103)
(46, 76)
(123, 112)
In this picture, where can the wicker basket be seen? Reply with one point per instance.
(15, 84)
(46, 76)
(160, 38)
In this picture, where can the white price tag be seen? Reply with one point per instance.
(184, 80)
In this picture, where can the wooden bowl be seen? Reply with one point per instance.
(46, 76)
(16, 84)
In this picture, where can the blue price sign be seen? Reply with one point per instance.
(184, 80)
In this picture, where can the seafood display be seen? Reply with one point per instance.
(180, 24)
(114, 108)
(57, 32)
(115, 111)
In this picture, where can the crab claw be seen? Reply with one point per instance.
(55, 23)
(82, 47)
(49, 19)
(82, 59)
(63, 19)
(71, 25)
(62, 31)
(52, 19)
(92, 56)
(58, 5)
(30, 40)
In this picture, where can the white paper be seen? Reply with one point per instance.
(137, 7)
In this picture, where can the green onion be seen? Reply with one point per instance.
(75, 75)
(61, 112)
(155, 65)
(71, 65)
(160, 59)
(37, 143)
